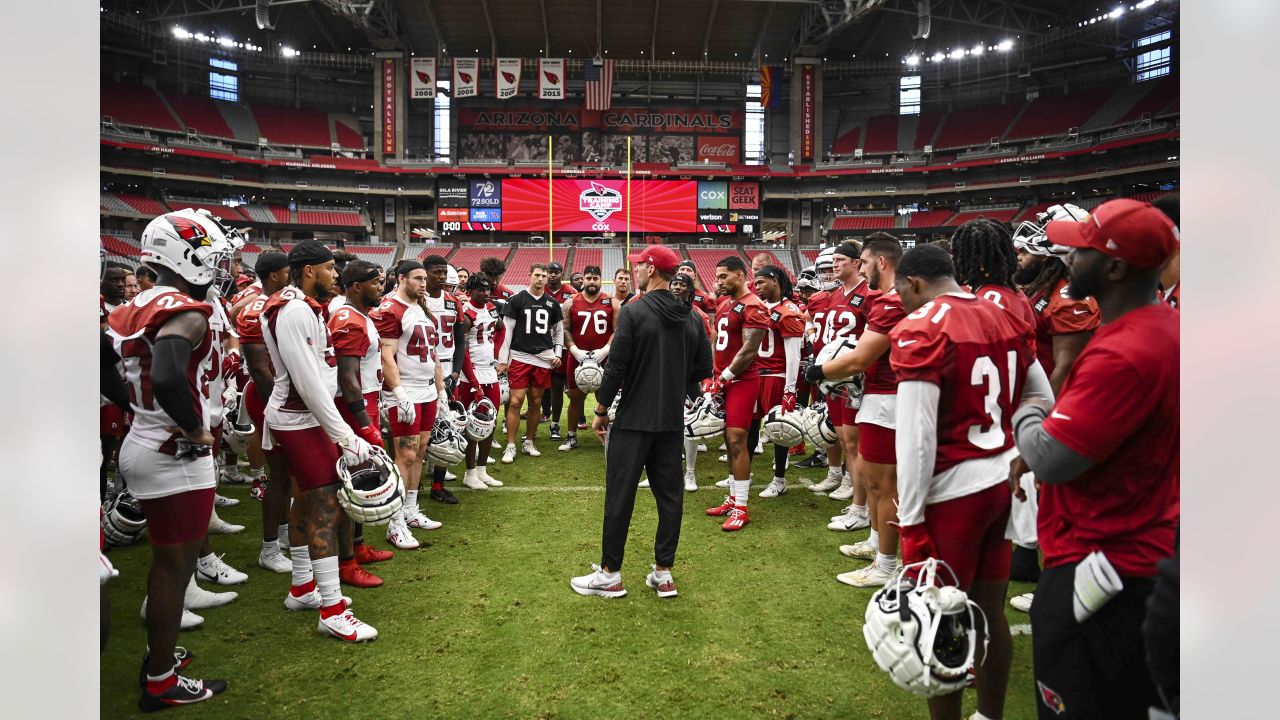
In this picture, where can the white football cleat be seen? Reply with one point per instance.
(702, 447)
(528, 448)
(1022, 603)
(471, 479)
(724, 458)
(845, 491)
(275, 561)
(644, 483)
(189, 619)
(775, 488)
(869, 576)
(483, 471)
(723, 483)
(231, 474)
(509, 455)
(449, 476)
(862, 550)
(829, 483)
(345, 626)
(398, 535)
(197, 598)
(308, 601)
(843, 511)
(690, 482)
(218, 526)
(217, 571)
(855, 519)
(415, 519)
(223, 501)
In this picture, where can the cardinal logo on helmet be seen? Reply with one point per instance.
(1051, 699)
(190, 230)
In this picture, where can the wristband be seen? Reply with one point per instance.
(400, 394)
(727, 375)
(602, 414)
(355, 406)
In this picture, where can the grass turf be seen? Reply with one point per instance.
(480, 622)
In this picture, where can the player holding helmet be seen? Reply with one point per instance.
(480, 378)
(451, 349)
(778, 359)
(589, 319)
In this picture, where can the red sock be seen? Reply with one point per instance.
(166, 681)
(437, 485)
(300, 590)
(334, 609)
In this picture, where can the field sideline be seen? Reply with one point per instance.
(480, 622)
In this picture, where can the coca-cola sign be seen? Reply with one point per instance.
(719, 149)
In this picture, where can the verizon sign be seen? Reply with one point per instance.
(719, 149)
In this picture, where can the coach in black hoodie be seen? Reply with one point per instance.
(659, 351)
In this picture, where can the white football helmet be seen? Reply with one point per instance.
(783, 429)
(122, 520)
(613, 407)
(481, 420)
(818, 427)
(588, 375)
(825, 267)
(192, 244)
(922, 631)
(831, 351)
(451, 280)
(458, 416)
(446, 447)
(372, 493)
(504, 388)
(234, 433)
(705, 418)
(1030, 236)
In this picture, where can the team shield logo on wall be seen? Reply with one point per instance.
(422, 78)
(600, 202)
(508, 78)
(551, 78)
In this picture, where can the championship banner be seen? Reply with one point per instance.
(422, 78)
(466, 77)
(551, 78)
(703, 121)
(600, 205)
(808, 104)
(388, 106)
(507, 78)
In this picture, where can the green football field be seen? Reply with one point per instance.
(481, 623)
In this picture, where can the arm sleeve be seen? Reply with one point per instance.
(791, 346)
(110, 383)
(171, 355)
(1051, 461)
(504, 353)
(294, 339)
(916, 446)
(459, 346)
(557, 335)
(619, 358)
(1037, 386)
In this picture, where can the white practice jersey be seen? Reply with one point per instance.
(416, 347)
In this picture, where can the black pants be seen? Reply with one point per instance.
(1097, 669)
(659, 454)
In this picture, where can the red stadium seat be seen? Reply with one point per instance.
(963, 217)
(930, 218)
(469, 258)
(144, 205)
(201, 114)
(331, 218)
(705, 259)
(976, 126)
(584, 256)
(292, 127)
(882, 134)
(137, 106)
(1052, 115)
(222, 212)
(862, 222)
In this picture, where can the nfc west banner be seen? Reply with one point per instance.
(551, 78)
(507, 78)
(466, 77)
(422, 78)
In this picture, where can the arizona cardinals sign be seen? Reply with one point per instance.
(507, 76)
(466, 77)
(422, 78)
(551, 78)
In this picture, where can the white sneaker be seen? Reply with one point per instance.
(420, 521)
(509, 455)
(759, 447)
(217, 571)
(308, 601)
(483, 472)
(724, 446)
(723, 483)
(869, 576)
(644, 483)
(346, 626)
(189, 619)
(831, 482)
(845, 491)
(231, 474)
(398, 534)
(724, 458)
(275, 561)
(843, 511)
(596, 584)
(690, 482)
(218, 526)
(665, 587)
(197, 598)
(774, 489)
(492, 460)
(528, 448)
(223, 501)
(1022, 603)
(862, 550)
(855, 519)
(471, 479)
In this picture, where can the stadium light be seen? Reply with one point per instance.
(937, 57)
(913, 60)
(1116, 13)
(979, 50)
(1005, 46)
(180, 33)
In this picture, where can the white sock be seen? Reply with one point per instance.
(732, 488)
(611, 576)
(835, 471)
(874, 539)
(411, 499)
(887, 562)
(282, 533)
(661, 574)
(780, 480)
(741, 489)
(860, 510)
(255, 472)
(208, 559)
(326, 570)
(270, 547)
(301, 556)
(690, 455)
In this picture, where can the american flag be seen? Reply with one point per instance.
(598, 81)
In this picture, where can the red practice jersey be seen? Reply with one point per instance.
(816, 308)
(562, 293)
(846, 312)
(732, 319)
(354, 335)
(590, 321)
(500, 295)
(704, 302)
(1057, 314)
(248, 324)
(978, 356)
(1013, 301)
(884, 312)
(785, 321)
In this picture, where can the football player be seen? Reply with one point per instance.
(451, 350)
(741, 324)
(778, 359)
(876, 418)
(682, 288)
(464, 277)
(412, 383)
(341, 258)
(480, 321)
(758, 261)
(302, 418)
(131, 288)
(495, 269)
(577, 281)
(146, 277)
(532, 345)
(170, 355)
(589, 319)
(359, 356)
(962, 365)
(846, 316)
(701, 300)
(816, 312)
(112, 287)
(553, 402)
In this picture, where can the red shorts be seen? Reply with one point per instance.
(740, 399)
(311, 455)
(178, 519)
(771, 388)
(838, 410)
(469, 393)
(257, 410)
(424, 419)
(112, 421)
(876, 444)
(522, 376)
(564, 364)
(370, 407)
(968, 533)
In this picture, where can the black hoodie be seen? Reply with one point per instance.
(659, 353)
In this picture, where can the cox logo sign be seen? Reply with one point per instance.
(713, 195)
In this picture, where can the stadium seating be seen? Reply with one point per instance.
(584, 256)
(120, 245)
(222, 212)
(612, 258)
(704, 262)
(380, 255)
(809, 256)
(1003, 215)
(347, 134)
(259, 214)
(1051, 115)
(469, 257)
(525, 256)
(1031, 212)
(847, 142)
(201, 114)
(331, 218)
(249, 255)
(143, 205)
(1148, 196)
(113, 204)
(862, 222)
(1163, 94)
(782, 259)
(293, 127)
(930, 218)
(976, 126)
(882, 134)
(926, 128)
(137, 106)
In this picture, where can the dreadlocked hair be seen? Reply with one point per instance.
(984, 254)
(1054, 270)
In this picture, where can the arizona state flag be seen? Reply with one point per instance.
(772, 89)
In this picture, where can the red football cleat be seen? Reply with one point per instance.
(738, 519)
(723, 508)
(366, 554)
(352, 574)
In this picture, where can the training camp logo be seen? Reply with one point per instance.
(600, 202)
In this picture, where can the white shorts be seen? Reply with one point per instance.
(879, 410)
(152, 474)
(1022, 516)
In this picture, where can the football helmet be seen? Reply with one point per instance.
(451, 280)
(825, 268)
(783, 429)
(588, 375)
(613, 407)
(808, 272)
(235, 433)
(705, 418)
(446, 447)
(831, 351)
(504, 388)
(122, 520)
(371, 492)
(458, 416)
(192, 244)
(1030, 236)
(818, 427)
(921, 630)
(481, 420)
